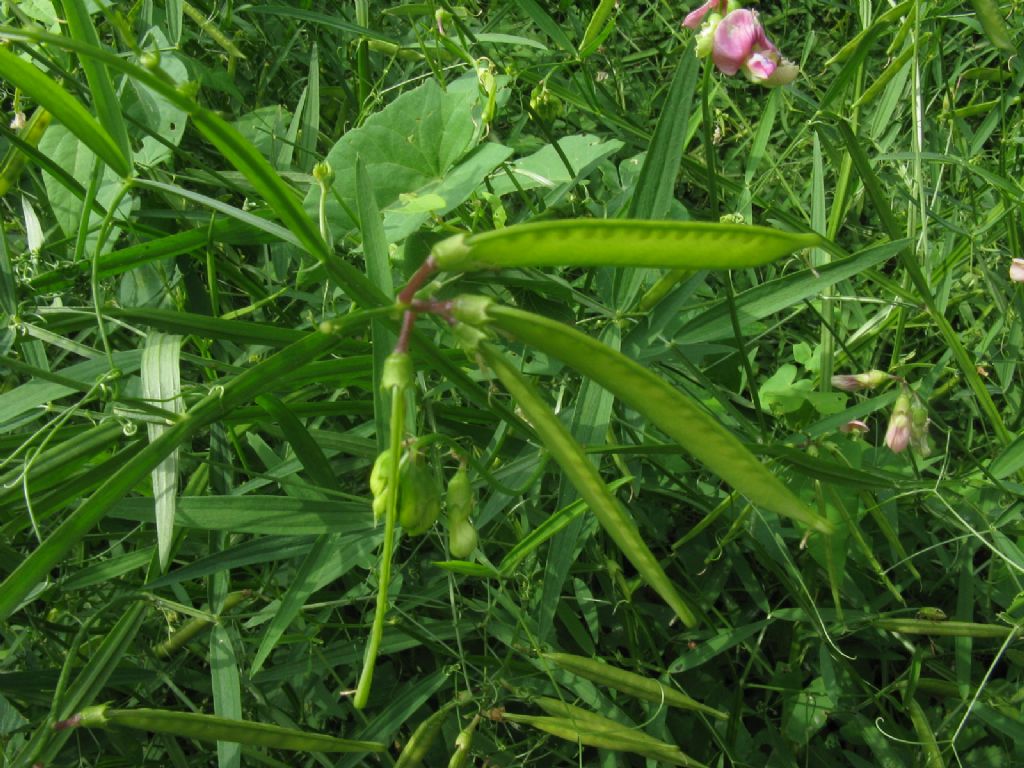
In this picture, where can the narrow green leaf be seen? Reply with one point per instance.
(212, 728)
(65, 108)
(669, 409)
(161, 386)
(75, 526)
(227, 692)
(620, 243)
(613, 518)
(104, 98)
(596, 26)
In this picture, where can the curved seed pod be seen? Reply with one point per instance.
(559, 708)
(620, 243)
(613, 518)
(629, 683)
(608, 735)
(419, 502)
(668, 408)
(423, 738)
(212, 728)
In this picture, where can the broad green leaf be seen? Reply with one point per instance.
(544, 168)
(161, 386)
(412, 146)
(162, 117)
(669, 409)
(64, 108)
(616, 522)
(76, 158)
(620, 243)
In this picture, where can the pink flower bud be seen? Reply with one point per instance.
(853, 382)
(897, 436)
(694, 18)
(1017, 270)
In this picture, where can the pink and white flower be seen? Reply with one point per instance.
(741, 44)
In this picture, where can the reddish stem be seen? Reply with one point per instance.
(72, 722)
(408, 321)
(418, 280)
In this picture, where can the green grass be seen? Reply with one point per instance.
(194, 301)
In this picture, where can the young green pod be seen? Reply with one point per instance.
(212, 728)
(463, 743)
(419, 502)
(423, 738)
(460, 495)
(630, 683)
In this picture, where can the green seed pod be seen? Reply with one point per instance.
(419, 502)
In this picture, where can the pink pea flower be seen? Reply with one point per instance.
(694, 18)
(740, 43)
(1017, 270)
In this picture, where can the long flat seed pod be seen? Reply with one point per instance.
(666, 407)
(609, 735)
(613, 518)
(620, 243)
(212, 728)
(628, 682)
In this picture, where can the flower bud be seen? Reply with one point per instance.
(379, 476)
(462, 539)
(544, 103)
(397, 371)
(897, 436)
(854, 382)
(460, 496)
(323, 173)
(919, 429)
(419, 502)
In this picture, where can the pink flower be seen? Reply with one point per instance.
(694, 18)
(741, 43)
(1017, 270)
(856, 426)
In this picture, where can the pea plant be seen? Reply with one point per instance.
(510, 383)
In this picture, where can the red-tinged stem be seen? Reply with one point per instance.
(72, 722)
(408, 321)
(433, 307)
(418, 280)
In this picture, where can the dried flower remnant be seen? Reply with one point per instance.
(854, 427)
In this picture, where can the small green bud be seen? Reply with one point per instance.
(323, 173)
(460, 496)
(544, 103)
(150, 59)
(397, 371)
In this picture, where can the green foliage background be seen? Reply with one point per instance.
(197, 282)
